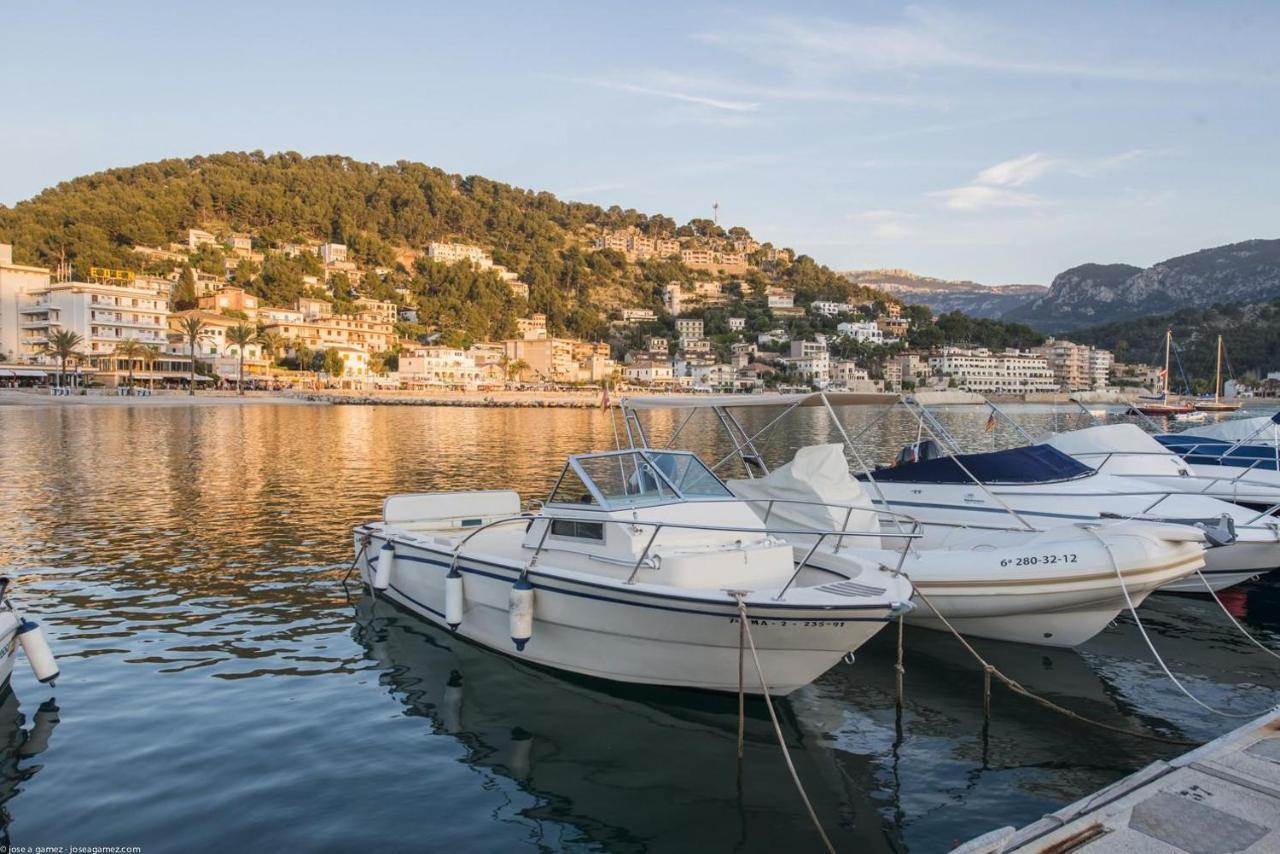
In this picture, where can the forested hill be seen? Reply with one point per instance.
(378, 211)
(1251, 333)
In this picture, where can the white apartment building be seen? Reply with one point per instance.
(807, 349)
(695, 345)
(638, 315)
(848, 374)
(240, 243)
(778, 298)
(1008, 372)
(864, 330)
(102, 314)
(814, 368)
(16, 282)
(213, 346)
(453, 253)
(1100, 363)
(197, 238)
(333, 253)
(1076, 366)
(442, 366)
(737, 324)
(829, 309)
(649, 373)
(657, 345)
(688, 327)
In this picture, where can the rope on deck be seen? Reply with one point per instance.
(1142, 630)
(1016, 687)
(773, 716)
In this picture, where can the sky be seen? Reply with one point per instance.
(997, 142)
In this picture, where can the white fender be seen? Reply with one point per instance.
(453, 599)
(386, 562)
(521, 612)
(37, 651)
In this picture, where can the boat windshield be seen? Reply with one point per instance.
(635, 478)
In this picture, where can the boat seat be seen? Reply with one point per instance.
(448, 510)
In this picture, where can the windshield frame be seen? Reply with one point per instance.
(628, 457)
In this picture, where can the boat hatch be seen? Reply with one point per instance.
(635, 478)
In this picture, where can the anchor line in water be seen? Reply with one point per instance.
(745, 631)
(1259, 644)
(1016, 687)
(1142, 630)
(365, 540)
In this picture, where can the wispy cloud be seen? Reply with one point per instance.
(1016, 172)
(922, 40)
(993, 187)
(745, 97)
(885, 224)
(733, 106)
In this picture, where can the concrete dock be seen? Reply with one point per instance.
(1223, 796)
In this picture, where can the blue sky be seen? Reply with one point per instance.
(998, 142)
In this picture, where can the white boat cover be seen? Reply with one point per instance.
(1237, 430)
(1107, 439)
(818, 473)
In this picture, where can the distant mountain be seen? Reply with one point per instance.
(1092, 294)
(943, 295)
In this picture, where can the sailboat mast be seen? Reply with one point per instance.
(1217, 376)
(1168, 348)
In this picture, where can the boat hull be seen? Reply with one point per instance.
(1086, 500)
(629, 633)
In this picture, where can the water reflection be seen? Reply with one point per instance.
(633, 769)
(186, 563)
(19, 744)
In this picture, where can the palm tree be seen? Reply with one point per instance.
(130, 349)
(192, 329)
(148, 356)
(241, 335)
(516, 369)
(63, 344)
(270, 342)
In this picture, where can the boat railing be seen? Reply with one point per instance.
(658, 527)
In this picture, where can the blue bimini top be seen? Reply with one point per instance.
(1028, 464)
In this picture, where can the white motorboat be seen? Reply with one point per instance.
(1127, 450)
(1057, 587)
(633, 571)
(1020, 491)
(17, 631)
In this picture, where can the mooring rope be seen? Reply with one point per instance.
(1233, 620)
(777, 729)
(1016, 687)
(1142, 630)
(365, 540)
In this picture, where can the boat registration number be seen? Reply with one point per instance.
(1036, 560)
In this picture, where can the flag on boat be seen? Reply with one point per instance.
(604, 396)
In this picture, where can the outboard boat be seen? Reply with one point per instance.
(1043, 486)
(1056, 587)
(633, 570)
(1020, 491)
(1248, 443)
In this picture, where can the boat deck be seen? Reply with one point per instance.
(1222, 796)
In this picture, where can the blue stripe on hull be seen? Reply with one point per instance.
(755, 607)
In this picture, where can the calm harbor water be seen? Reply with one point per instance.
(221, 689)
